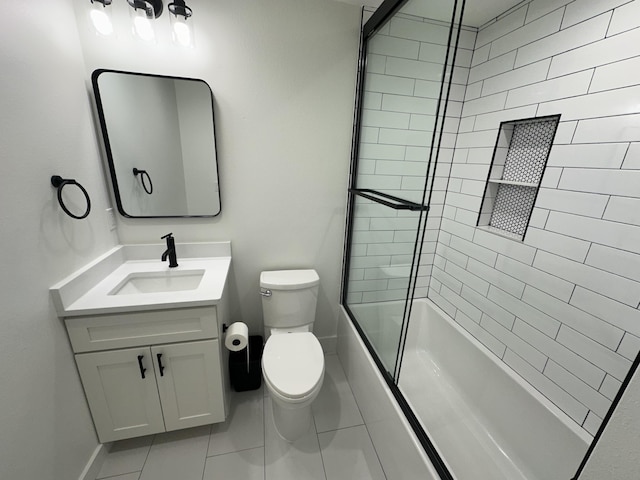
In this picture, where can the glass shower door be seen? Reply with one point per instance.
(383, 241)
(404, 80)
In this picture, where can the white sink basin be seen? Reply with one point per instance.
(158, 282)
(132, 278)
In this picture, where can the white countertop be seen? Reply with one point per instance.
(89, 290)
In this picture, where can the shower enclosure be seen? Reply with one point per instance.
(405, 125)
(489, 266)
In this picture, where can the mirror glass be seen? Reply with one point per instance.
(160, 143)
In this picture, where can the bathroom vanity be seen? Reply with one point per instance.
(147, 338)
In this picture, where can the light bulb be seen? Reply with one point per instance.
(182, 33)
(101, 19)
(143, 28)
(142, 23)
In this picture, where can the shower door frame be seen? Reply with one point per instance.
(387, 9)
(379, 17)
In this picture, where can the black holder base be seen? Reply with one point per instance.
(243, 379)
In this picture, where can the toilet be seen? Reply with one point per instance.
(292, 360)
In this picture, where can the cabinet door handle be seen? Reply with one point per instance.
(142, 369)
(160, 365)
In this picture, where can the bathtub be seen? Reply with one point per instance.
(484, 419)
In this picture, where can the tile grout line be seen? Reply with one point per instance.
(571, 305)
(146, 458)
(315, 428)
(204, 464)
(111, 477)
(568, 236)
(235, 451)
(264, 432)
(361, 416)
(580, 401)
(542, 393)
(340, 428)
(206, 456)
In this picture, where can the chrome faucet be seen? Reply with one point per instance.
(170, 251)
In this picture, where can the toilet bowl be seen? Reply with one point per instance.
(292, 360)
(293, 371)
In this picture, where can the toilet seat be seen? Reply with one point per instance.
(293, 364)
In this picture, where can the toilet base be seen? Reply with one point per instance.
(291, 423)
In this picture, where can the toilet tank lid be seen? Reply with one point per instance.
(289, 279)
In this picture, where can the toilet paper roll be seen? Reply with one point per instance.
(237, 336)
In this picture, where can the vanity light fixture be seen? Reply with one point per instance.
(181, 29)
(142, 14)
(100, 15)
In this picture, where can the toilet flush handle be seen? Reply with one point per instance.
(266, 293)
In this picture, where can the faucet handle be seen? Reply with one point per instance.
(168, 235)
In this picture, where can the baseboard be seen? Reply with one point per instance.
(92, 468)
(329, 344)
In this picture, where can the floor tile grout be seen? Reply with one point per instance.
(340, 428)
(204, 464)
(362, 417)
(324, 469)
(120, 475)
(153, 439)
(234, 451)
(264, 436)
(206, 455)
(315, 427)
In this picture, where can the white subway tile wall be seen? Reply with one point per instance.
(405, 62)
(561, 307)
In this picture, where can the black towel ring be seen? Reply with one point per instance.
(143, 174)
(59, 182)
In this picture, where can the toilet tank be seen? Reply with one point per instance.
(293, 298)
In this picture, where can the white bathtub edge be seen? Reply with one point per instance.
(414, 462)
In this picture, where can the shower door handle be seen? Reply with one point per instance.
(387, 200)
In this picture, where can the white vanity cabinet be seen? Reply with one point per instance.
(122, 403)
(148, 338)
(189, 383)
(141, 377)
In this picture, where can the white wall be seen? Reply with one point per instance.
(616, 456)
(560, 308)
(45, 129)
(283, 78)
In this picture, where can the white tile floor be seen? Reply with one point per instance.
(247, 447)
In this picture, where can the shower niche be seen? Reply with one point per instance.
(519, 160)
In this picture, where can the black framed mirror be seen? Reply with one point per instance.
(159, 135)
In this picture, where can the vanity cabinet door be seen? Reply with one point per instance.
(190, 383)
(122, 403)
